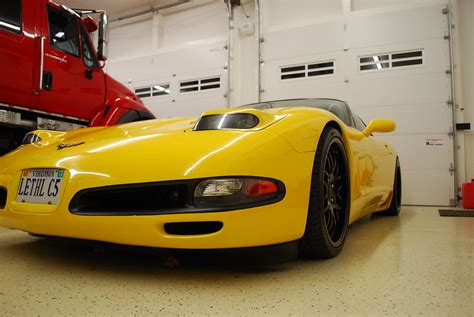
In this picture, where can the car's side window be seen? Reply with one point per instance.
(359, 124)
(63, 31)
(10, 15)
(87, 53)
(341, 112)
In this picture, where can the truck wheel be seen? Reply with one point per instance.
(7, 140)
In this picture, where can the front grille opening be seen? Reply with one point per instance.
(193, 228)
(129, 200)
(3, 197)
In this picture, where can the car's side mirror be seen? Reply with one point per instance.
(379, 125)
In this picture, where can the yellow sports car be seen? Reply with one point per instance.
(287, 172)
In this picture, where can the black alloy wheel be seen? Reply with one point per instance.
(328, 214)
(334, 187)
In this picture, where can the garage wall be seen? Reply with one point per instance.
(466, 45)
(169, 50)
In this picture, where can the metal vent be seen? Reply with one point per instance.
(391, 60)
(200, 84)
(307, 70)
(153, 91)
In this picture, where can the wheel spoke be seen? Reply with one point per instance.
(334, 193)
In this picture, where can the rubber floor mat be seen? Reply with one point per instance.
(456, 212)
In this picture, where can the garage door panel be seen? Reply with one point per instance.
(195, 104)
(330, 86)
(194, 59)
(415, 96)
(161, 107)
(303, 41)
(403, 89)
(435, 58)
(415, 24)
(423, 151)
(186, 104)
(417, 187)
(411, 118)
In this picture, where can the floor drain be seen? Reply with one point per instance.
(456, 212)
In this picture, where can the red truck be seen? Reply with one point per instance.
(51, 76)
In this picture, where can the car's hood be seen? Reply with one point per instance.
(129, 151)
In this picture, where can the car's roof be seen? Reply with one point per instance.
(292, 99)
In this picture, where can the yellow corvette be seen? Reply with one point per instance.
(270, 174)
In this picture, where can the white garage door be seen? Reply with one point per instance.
(179, 83)
(390, 64)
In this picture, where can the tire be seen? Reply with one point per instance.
(329, 202)
(395, 204)
(7, 140)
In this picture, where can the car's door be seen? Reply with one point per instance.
(17, 52)
(73, 84)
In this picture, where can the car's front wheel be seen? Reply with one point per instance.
(328, 213)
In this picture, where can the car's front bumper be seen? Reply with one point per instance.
(270, 224)
(109, 165)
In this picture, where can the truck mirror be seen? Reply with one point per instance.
(90, 24)
(103, 37)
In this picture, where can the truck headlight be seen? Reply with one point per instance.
(237, 191)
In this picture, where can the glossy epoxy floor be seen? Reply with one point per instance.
(418, 263)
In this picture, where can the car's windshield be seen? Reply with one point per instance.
(337, 107)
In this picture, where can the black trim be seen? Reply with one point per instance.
(3, 197)
(257, 256)
(192, 228)
(254, 256)
(186, 208)
(11, 29)
(463, 126)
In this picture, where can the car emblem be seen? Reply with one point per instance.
(63, 145)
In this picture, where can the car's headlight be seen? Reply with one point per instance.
(224, 192)
(30, 138)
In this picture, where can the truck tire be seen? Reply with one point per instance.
(7, 140)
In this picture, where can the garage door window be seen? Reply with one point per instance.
(390, 60)
(196, 85)
(63, 31)
(10, 15)
(307, 70)
(153, 91)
